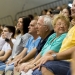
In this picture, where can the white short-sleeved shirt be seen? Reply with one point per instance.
(7, 46)
(2, 42)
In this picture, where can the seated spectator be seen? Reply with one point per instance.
(36, 17)
(50, 9)
(21, 39)
(67, 12)
(31, 17)
(8, 34)
(59, 8)
(2, 38)
(64, 6)
(53, 44)
(49, 13)
(43, 12)
(54, 13)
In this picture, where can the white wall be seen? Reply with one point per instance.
(11, 7)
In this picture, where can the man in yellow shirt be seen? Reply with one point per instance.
(56, 63)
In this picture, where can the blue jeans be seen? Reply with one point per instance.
(36, 72)
(2, 66)
(69, 72)
(9, 67)
(56, 67)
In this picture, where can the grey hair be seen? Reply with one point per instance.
(47, 21)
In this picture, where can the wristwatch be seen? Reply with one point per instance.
(54, 56)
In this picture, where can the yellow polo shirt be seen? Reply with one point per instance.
(69, 40)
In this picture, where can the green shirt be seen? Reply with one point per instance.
(53, 43)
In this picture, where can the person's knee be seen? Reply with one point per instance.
(6, 69)
(43, 70)
(9, 68)
(46, 72)
(36, 72)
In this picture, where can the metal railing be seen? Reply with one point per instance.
(40, 8)
(7, 20)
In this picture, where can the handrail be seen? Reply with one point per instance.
(6, 20)
(38, 7)
(9, 18)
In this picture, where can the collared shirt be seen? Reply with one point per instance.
(31, 43)
(53, 43)
(42, 42)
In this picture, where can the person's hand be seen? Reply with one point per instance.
(16, 62)
(44, 59)
(6, 35)
(22, 66)
(8, 62)
(16, 69)
(37, 66)
(28, 67)
(20, 61)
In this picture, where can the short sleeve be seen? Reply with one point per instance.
(28, 42)
(57, 44)
(6, 47)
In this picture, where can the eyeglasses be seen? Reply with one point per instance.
(59, 24)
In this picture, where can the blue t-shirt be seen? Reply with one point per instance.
(31, 43)
(53, 43)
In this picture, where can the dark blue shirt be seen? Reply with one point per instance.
(42, 42)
